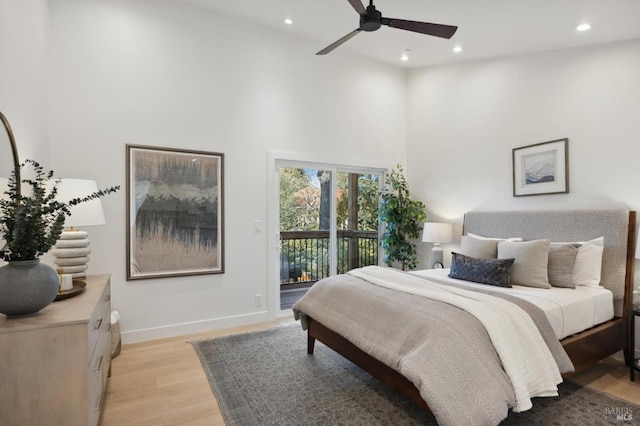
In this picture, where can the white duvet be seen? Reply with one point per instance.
(568, 310)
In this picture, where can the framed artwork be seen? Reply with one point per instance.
(542, 168)
(175, 212)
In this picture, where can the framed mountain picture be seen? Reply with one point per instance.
(542, 168)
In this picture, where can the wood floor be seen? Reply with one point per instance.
(161, 382)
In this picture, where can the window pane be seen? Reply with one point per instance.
(357, 220)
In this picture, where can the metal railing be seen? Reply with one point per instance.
(304, 255)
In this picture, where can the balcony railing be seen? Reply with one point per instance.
(304, 255)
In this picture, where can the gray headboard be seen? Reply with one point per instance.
(565, 225)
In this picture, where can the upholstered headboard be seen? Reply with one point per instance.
(565, 226)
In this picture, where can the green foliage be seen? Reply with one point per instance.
(299, 201)
(403, 218)
(31, 224)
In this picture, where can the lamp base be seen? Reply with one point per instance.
(71, 254)
(436, 256)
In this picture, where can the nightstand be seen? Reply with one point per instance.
(634, 311)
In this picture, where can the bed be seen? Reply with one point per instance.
(583, 348)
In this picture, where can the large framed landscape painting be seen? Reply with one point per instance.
(175, 205)
(542, 168)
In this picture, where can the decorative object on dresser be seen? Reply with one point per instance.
(542, 168)
(54, 365)
(402, 218)
(72, 250)
(437, 233)
(31, 220)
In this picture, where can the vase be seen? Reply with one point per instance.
(26, 286)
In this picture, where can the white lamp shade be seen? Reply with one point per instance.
(84, 214)
(435, 232)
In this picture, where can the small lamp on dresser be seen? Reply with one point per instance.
(72, 249)
(437, 233)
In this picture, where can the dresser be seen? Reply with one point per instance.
(53, 365)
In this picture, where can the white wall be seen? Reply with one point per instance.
(465, 119)
(165, 74)
(23, 77)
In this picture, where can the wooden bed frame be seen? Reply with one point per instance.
(585, 348)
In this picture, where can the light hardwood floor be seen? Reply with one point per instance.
(162, 383)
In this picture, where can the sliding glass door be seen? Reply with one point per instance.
(328, 223)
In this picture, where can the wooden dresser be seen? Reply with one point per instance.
(53, 365)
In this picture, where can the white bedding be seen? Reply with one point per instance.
(569, 310)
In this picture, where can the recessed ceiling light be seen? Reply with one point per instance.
(457, 49)
(583, 27)
(288, 21)
(405, 55)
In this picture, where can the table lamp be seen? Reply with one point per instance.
(437, 233)
(72, 250)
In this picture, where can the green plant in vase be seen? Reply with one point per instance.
(402, 218)
(31, 221)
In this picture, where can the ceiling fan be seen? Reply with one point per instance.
(371, 20)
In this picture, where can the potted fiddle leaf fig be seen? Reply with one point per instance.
(402, 220)
(31, 221)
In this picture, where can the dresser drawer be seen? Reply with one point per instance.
(98, 369)
(99, 323)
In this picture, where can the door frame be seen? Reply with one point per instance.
(280, 159)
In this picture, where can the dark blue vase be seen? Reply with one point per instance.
(26, 287)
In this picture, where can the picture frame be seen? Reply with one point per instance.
(541, 169)
(175, 212)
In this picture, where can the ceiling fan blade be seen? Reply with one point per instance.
(437, 30)
(339, 42)
(358, 6)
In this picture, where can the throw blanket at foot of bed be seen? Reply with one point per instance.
(426, 333)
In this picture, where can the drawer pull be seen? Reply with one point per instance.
(98, 324)
(99, 363)
(107, 297)
(99, 403)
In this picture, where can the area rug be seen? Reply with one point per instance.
(267, 378)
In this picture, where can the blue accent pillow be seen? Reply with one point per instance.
(485, 271)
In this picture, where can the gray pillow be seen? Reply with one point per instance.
(562, 257)
(530, 265)
(480, 248)
(484, 271)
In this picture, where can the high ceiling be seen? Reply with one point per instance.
(486, 28)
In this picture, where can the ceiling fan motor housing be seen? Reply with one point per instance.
(372, 20)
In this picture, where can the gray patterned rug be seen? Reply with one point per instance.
(267, 378)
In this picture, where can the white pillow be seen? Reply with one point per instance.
(587, 269)
(530, 264)
(473, 245)
(480, 237)
(479, 248)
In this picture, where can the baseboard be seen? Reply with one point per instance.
(172, 330)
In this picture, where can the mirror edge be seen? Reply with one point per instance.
(14, 149)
